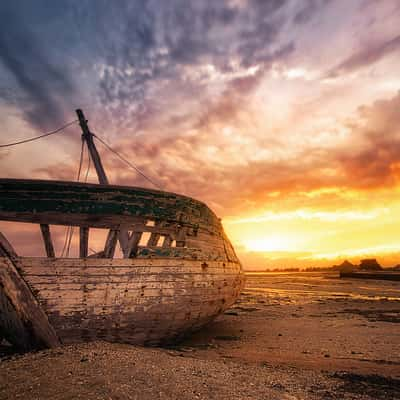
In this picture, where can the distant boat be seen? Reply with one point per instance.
(178, 271)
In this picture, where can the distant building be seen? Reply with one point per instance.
(370, 264)
(345, 266)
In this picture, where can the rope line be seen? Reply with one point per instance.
(80, 161)
(70, 230)
(40, 136)
(67, 229)
(134, 167)
(88, 168)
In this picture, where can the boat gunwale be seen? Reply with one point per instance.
(87, 199)
(108, 187)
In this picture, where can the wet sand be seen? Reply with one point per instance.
(290, 336)
(313, 321)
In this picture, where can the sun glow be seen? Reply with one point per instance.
(270, 243)
(366, 227)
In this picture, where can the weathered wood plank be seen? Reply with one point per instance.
(48, 243)
(184, 253)
(131, 281)
(163, 230)
(98, 205)
(123, 239)
(6, 250)
(181, 236)
(132, 264)
(83, 241)
(167, 241)
(153, 239)
(117, 272)
(99, 254)
(104, 282)
(34, 329)
(147, 297)
(133, 243)
(111, 243)
(204, 245)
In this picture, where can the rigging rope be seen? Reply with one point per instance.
(40, 136)
(131, 165)
(88, 168)
(80, 161)
(70, 229)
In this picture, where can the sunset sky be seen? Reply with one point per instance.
(283, 116)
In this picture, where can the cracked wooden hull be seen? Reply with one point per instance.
(183, 275)
(132, 301)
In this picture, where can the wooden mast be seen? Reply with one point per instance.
(122, 235)
(87, 136)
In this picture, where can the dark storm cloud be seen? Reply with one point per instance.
(117, 56)
(179, 37)
(44, 81)
(308, 10)
(365, 57)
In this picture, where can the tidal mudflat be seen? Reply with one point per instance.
(315, 321)
(290, 336)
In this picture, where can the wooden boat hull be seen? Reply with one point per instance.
(183, 275)
(129, 300)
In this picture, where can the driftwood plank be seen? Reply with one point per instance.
(33, 327)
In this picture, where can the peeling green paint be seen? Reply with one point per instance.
(30, 196)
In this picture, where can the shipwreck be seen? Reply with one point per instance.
(175, 281)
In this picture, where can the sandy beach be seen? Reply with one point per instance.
(290, 336)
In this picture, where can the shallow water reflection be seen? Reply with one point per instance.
(313, 287)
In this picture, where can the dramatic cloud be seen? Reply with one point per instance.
(210, 167)
(133, 49)
(366, 57)
(45, 81)
(226, 101)
(374, 159)
(308, 10)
